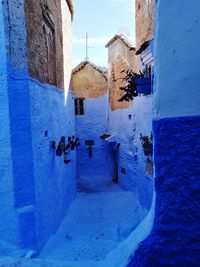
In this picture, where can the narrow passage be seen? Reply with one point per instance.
(99, 218)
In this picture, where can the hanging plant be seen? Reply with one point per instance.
(63, 148)
(130, 89)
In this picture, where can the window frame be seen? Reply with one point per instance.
(79, 106)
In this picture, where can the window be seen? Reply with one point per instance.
(79, 106)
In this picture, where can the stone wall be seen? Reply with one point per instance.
(45, 40)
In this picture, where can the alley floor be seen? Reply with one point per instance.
(100, 217)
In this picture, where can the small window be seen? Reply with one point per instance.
(89, 142)
(123, 170)
(79, 106)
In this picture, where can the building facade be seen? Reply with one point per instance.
(89, 84)
(127, 120)
(174, 237)
(144, 21)
(36, 185)
(100, 115)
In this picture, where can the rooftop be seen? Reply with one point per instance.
(102, 70)
(124, 38)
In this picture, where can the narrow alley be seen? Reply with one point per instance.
(95, 224)
(99, 133)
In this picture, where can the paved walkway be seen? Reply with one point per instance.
(97, 221)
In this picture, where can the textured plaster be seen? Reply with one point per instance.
(130, 154)
(55, 182)
(36, 187)
(120, 57)
(39, 64)
(89, 82)
(176, 59)
(15, 33)
(9, 230)
(36, 109)
(91, 127)
(174, 240)
(145, 10)
(115, 82)
(175, 235)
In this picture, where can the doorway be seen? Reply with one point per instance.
(115, 164)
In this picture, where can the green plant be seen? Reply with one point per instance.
(130, 88)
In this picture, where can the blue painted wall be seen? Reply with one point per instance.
(128, 124)
(43, 185)
(91, 126)
(175, 236)
(9, 223)
(174, 239)
(36, 187)
(55, 182)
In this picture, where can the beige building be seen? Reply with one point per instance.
(144, 19)
(89, 80)
(121, 56)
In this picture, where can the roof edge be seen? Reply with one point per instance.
(84, 63)
(124, 39)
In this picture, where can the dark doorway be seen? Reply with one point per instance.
(115, 161)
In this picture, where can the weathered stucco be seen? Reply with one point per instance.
(114, 82)
(15, 33)
(45, 57)
(144, 19)
(33, 114)
(120, 56)
(91, 126)
(88, 81)
(145, 10)
(127, 124)
(9, 230)
(175, 236)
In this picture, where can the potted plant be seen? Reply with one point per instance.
(135, 84)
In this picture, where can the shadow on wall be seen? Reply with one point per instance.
(37, 115)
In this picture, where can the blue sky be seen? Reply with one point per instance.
(102, 19)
